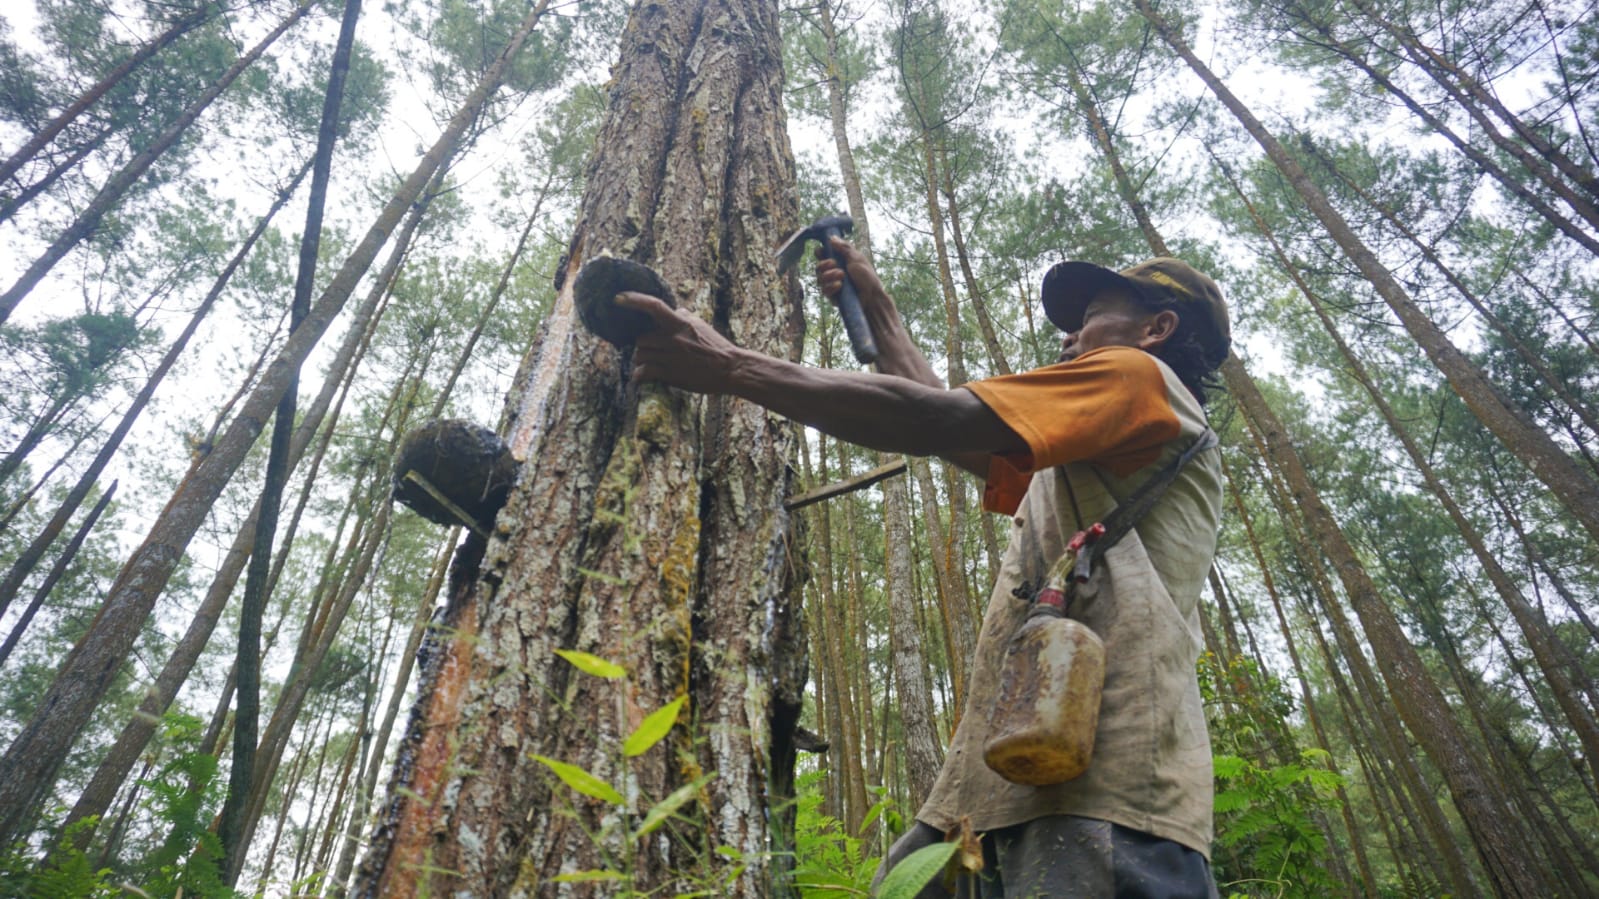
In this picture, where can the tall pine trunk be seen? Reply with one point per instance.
(1567, 483)
(24, 564)
(1479, 797)
(28, 768)
(47, 133)
(120, 183)
(247, 659)
(647, 528)
(924, 754)
(1552, 656)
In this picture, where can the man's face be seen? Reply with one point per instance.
(1115, 319)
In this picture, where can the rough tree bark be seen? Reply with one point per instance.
(647, 528)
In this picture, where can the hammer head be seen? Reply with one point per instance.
(789, 251)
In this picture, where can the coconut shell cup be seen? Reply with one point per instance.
(467, 463)
(595, 290)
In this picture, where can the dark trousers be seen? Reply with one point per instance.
(1066, 857)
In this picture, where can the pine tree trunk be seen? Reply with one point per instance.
(1324, 36)
(1567, 483)
(325, 619)
(1469, 687)
(402, 677)
(23, 197)
(974, 290)
(45, 135)
(675, 501)
(1523, 352)
(1552, 656)
(1473, 97)
(923, 755)
(1533, 780)
(43, 424)
(116, 764)
(1268, 582)
(1420, 703)
(29, 765)
(837, 118)
(23, 565)
(56, 570)
(922, 748)
(114, 190)
(247, 660)
(847, 769)
(959, 630)
(1381, 783)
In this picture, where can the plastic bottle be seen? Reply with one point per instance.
(1042, 728)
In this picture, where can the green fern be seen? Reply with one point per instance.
(66, 873)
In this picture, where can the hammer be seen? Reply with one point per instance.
(849, 302)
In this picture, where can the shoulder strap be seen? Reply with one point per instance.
(1089, 543)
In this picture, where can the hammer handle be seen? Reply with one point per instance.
(849, 306)
(860, 333)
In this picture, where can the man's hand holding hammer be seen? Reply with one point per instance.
(897, 355)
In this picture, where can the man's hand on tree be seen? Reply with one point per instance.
(682, 351)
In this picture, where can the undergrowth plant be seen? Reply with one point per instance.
(65, 873)
(830, 863)
(1268, 791)
(182, 796)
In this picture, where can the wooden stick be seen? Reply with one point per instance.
(881, 472)
(459, 513)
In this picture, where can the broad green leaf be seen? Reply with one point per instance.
(586, 877)
(670, 804)
(878, 809)
(589, 664)
(582, 781)
(917, 870)
(653, 728)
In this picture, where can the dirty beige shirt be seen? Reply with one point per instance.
(1151, 767)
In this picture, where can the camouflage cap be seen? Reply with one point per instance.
(1162, 281)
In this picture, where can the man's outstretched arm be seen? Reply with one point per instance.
(880, 411)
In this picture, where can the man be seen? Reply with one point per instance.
(1058, 448)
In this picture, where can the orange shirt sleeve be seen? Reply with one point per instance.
(1108, 406)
